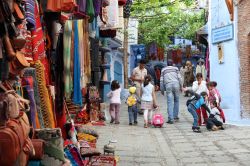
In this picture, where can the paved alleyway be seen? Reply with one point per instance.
(176, 144)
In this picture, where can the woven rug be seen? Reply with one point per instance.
(98, 123)
(102, 161)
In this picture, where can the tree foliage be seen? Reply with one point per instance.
(161, 19)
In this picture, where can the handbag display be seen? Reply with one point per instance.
(17, 65)
(16, 144)
(39, 149)
(12, 104)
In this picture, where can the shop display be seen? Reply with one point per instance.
(46, 80)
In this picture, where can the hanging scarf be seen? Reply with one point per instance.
(77, 95)
(81, 50)
(48, 117)
(66, 58)
(32, 72)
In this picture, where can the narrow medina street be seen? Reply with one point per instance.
(175, 144)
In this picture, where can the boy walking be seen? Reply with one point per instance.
(132, 101)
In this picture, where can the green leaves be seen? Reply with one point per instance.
(161, 19)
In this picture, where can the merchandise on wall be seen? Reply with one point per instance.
(46, 86)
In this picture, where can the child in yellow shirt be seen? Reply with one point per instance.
(132, 108)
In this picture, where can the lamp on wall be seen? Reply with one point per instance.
(220, 53)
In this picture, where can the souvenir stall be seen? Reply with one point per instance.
(47, 93)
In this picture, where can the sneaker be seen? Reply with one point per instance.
(130, 124)
(196, 130)
(170, 122)
(177, 119)
(135, 122)
(112, 121)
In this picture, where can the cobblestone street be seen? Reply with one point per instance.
(176, 144)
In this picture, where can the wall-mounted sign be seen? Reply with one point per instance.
(222, 34)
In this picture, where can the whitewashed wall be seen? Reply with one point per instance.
(226, 74)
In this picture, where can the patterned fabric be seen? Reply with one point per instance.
(47, 112)
(73, 154)
(32, 72)
(86, 137)
(30, 11)
(53, 146)
(27, 83)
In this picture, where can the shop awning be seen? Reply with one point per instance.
(203, 30)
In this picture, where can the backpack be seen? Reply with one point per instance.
(157, 120)
(131, 100)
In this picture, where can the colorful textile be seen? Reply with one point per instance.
(27, 83)
(32, 72)
(53, 146)
(62, 5)
(90, 10)
(30, 13)
(77, 93)
(82, 5)
(66, 57)
(48, 117)
(86, 137)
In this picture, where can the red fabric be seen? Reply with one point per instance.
(38, 45)
(160, 53)
(204, 115)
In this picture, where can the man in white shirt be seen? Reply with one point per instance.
(138, 75)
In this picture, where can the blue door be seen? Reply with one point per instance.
(118, 73)
(107, 87)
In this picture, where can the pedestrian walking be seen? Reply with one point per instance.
(200, 68)
(138, 75)
(115, 102)
(131, 101)
(182, 71)
(171, 82)
(195, 102)
(148, 100)
(188, 76)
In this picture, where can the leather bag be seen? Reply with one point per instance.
(17, 65)
(12, 142)
(39, 149)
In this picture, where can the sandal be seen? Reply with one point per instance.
(145, 126)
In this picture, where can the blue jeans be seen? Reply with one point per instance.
(173, 93)
(192, 110)
(132, 113)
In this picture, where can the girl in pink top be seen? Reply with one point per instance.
(115, 101)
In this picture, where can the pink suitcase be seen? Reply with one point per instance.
(157, 120)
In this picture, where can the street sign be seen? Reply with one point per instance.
(221, 34)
